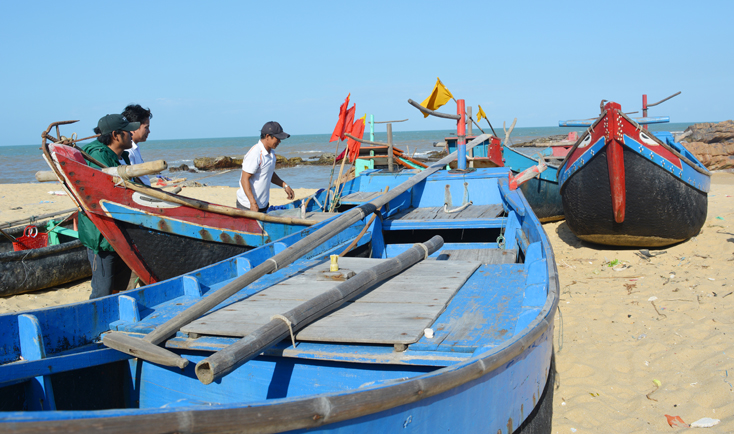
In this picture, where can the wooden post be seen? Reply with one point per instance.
(644, 108)
(469, 119)
(389, 148)
(461, 135)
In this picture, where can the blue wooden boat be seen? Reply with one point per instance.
(624, 186)
(462, 341)
(541, 192)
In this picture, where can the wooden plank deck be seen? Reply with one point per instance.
(485, 256)
(393, 312)
(437, 213)
(361, 196)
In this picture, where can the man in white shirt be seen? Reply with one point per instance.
(258, 171)
(136, 113)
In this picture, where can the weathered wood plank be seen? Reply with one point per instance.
(361, 196)
(395, 311)
(492, 211)
(485, 256)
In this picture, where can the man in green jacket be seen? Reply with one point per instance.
(109, 272)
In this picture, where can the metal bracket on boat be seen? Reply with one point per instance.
(465, 203)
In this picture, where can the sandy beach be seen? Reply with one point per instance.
(625, 320)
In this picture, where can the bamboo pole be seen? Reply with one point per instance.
(142, 347)
(225, 361)
(331, 177)
(337, 181)
(34, 218)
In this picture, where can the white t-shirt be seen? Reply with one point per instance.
(135, 158)
(259, 163)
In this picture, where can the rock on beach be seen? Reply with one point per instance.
(712, 144)
(225, 162)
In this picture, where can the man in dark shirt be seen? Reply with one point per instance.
(109, 272)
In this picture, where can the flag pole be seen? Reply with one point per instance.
(490, 126)
(331, 177)
(337, 181)
(475, 123)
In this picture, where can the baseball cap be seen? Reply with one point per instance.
(274, 129)
(112, 123)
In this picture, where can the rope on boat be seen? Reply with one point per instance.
(425, 251)
(288, 323)
(274, 262)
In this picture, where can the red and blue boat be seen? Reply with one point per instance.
(157, 233)
(624, 186)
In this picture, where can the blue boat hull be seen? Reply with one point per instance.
(543, 192)
(486, 369)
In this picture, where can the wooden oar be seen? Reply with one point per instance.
(147, 348)
(225, 361)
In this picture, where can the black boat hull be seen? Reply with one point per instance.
(661, 209)
(37, 269)
(169, 255)
(545, 198)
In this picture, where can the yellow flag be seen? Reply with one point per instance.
(481, 114)
(439, 96)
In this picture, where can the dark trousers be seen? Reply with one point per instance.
(109, 273)
(263, 209)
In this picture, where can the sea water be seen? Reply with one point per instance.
(20, 163)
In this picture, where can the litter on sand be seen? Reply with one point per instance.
(676, 421)
(705, 422)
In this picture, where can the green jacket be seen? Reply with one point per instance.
(89, 235)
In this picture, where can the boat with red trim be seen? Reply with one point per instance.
(157, 233)
(624, 186)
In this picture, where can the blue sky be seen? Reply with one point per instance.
(222, 69)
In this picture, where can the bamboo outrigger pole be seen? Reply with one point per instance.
(147, 348)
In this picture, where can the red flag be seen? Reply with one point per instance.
(357, 130)
(338, 133)
(348, 121)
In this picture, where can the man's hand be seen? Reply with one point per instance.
(289, 191)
